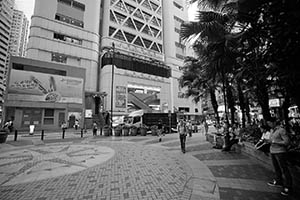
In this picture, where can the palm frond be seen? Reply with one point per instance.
(209, 16)
(212, 30)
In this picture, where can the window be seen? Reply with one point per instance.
(67, 38)
(57, 57)
(69, 20)
(78, 6)
(178, 6)
(49, 116)
(111, 30)
(68, 2)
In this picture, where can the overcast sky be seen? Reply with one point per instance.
(26, 6)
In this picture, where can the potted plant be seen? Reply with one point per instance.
(106, 130)
(118, 130)
(3, 135)
(126, 130)
(143, 130)
(154, 129)
(133, 130)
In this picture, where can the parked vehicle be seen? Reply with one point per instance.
(140, 117)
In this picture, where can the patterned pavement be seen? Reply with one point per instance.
(128, 168)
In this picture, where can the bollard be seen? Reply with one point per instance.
(63, 134)
(81, 133)
(16, 135)
(42, 137)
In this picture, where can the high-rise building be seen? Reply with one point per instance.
(19, 34)
(147, 53)
(6, 15)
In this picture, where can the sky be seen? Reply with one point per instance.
(26, 6)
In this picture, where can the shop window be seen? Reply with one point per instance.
(49, 116)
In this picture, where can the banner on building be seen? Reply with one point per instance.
(120, 97)
(34, 86)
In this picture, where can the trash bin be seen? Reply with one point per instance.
(31, 129)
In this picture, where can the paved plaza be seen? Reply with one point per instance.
(128, 168)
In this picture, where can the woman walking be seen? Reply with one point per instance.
(182, 134)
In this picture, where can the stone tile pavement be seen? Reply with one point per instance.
(133, 168)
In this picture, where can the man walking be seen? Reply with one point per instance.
(182, 134)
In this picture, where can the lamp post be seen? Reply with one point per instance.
(112, 85)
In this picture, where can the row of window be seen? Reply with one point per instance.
(73, 4)
(69, 20)
(67, 38)
(146, 4)
(143, 16)
(131, 38)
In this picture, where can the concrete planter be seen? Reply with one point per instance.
(133, 131)
(118, 132)
(143, 131)
(126, 131)
(107, 131)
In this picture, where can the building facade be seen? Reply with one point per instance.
(175, 13)
(18, 34)
(6, 15)
(146, 56)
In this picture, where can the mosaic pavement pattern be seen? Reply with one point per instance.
(133, 172)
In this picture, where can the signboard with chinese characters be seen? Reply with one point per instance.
(41, 87)
(120, 97)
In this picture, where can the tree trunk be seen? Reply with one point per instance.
(263, 98)
(230, 102)
(214, 103)
(241, 103)
(247, 109)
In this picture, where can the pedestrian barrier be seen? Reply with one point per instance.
(16, 135)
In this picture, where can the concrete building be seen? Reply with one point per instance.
(6, 15)
(146, 56)
(67, 32)
(174, 13)
(19, 34)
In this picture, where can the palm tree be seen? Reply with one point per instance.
(199, 82)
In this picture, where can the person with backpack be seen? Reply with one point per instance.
(160, 130)
(182, 130)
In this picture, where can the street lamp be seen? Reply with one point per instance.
(112, 85)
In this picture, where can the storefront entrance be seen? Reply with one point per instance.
(32, 116)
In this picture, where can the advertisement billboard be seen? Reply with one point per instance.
(41, 87)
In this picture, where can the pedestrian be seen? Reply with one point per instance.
(279, 141)
(205, 127)
(64, 127)
(9, 125)
(159, 130)
(182, 134)
(95, 129)
(76, 125)
(189, 128)
(231, 136)
(263, 144)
